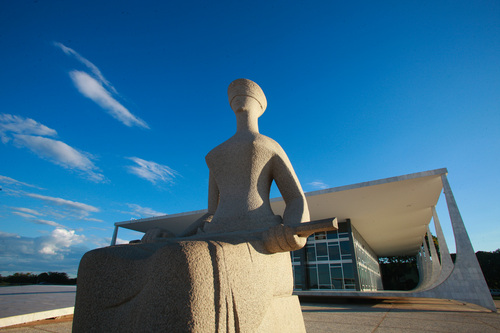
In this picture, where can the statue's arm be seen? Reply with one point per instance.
(213, 194)
(296, 210)
(213, 202)
(156, 234)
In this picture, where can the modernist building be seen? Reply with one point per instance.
(336, 260)
(380, 218)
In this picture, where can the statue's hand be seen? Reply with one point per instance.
(155, 235)
(282, 238)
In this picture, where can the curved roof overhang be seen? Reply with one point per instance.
(391, 214)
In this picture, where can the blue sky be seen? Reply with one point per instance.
(107, 109)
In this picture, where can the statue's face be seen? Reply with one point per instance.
(246, 104)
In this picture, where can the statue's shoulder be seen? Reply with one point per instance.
(220, 151)
(270, 144)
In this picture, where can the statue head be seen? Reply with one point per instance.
(243, 89)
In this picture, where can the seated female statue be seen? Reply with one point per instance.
(218, 275)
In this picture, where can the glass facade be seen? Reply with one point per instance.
(336, 260)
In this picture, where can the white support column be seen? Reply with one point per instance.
(115, 234)
(446, 262)
(466, 281)
(436, 266)
(420, 263)
(427, 264)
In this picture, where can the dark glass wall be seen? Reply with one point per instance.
(328, 261)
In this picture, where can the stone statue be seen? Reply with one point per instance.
(242, 170)
(230, 271)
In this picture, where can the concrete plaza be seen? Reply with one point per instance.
(20, 304)
(361, 315)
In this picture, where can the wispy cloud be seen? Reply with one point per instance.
(96, 87)
(318, 185)
(8, 234)
(12, 181)
(65, 203)
(143, 211)
(31, 215)
(28, 216)
(152, 171)
(27, 211)
(19, 125)
(93, 68)
(59, 208)
(92, 219)
(26, 132)
(34, 219)
(61, 154)
(47, 222)
(91, 88)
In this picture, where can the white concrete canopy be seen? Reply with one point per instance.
(391, 214)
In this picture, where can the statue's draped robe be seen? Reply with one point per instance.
(229, 283)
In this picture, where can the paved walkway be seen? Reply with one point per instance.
(21, 304)
(361, 315)
(399, 315)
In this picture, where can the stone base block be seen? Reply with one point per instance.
(285, 315)
(221, 285)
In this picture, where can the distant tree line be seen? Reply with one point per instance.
(401, 273)
(30, 278)
(490, 265)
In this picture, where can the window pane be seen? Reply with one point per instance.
(334, 252)
(313, 277)
(336, 277)
(348, 270)
(321, 249)
(297, 277)
(348, 274)
(311, 253)
(332, 235)
(324, 274)
(345, 247)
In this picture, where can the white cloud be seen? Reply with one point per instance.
(11, 181)
(31, 216)
(25, 132)
(16, 124)
(152, 171)
(8, 235)
(99, 89)
(28, 216)
(27, 210)
(46, 222)
(59, 241)
(318, 184)
(92, 89)
(66, 203)
(143, 211)
(92, 219)
(93, 68)
(61, 154)
(59, 251)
